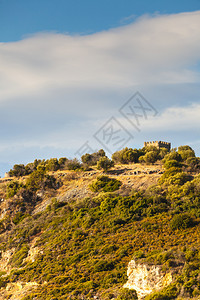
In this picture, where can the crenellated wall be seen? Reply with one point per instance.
(158, 144)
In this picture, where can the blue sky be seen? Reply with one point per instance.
(67, 67)
(24, 17)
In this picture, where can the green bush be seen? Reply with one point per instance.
(72, 164)
(127, 155)
(168, 293)
(108, 203)
(105, 163)
(151, 156)
(179, 179)
(168, 174)
(172, 163)
(181, 221)
(173, 156)
(18, 170)
(18, 217)
(105, 183)
(103, 265)
(12, 188)
(126, 294)
(62, 161)
(92, 159)
(52, 164)
(19, 256)
(39, 180)
(186, 152)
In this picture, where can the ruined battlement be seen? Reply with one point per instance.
(158, 144)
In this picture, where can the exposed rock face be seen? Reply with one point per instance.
(17, 290)
(5, 259)
(33, 252)
(146, 279)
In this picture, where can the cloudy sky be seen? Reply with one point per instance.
(78, 77)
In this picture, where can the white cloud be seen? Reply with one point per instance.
(174, 119)
(52, 86)
(161, 49)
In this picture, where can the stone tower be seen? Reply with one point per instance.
(158, 144)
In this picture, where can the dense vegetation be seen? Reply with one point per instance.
(86, 244)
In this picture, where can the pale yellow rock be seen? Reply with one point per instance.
(33, 252)
(17, 290)
(167, 279)
(14, 286)
(5, 259)
(146, 279)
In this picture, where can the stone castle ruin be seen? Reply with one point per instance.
(158, 144)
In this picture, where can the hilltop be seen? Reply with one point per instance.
(70, 230)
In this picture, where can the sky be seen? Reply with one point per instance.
(77, 76)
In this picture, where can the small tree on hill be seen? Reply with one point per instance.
(105, 163)
(92, 159)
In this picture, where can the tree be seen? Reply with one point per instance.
(52, 164)
(163, 152)
(36, 179)
(151, 157)
(186, 152)
(173, 156)
(73, 164)
(127, 155)
(105, 163)
(62, 161)
(92, 159)
(171, 163)
(18, 170)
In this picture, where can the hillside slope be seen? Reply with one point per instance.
(74, 236)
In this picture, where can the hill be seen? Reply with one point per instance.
(73, 234)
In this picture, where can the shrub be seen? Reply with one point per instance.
(72, 164)
(179, 178)
(126, 294)
(163, 152)
(108, 203)
(168, 293)
(105, 163)
(35, 179)
(62, 161)
(127, 155)
(103, 265)
(173, 156)
(151, 155)
(181, 221)
(105, 183)
(92, 159)
(193, 164)
(138, 254)
(19, 255)
(52, 164)
(12, 188)
(169, 173)
(19, 217)
(186, 152)
(172, 163)
(39, 180)
(18, 170)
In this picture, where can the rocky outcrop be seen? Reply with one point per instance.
(17, 290)
(5, 260)
(146, 279)
(33, 252)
